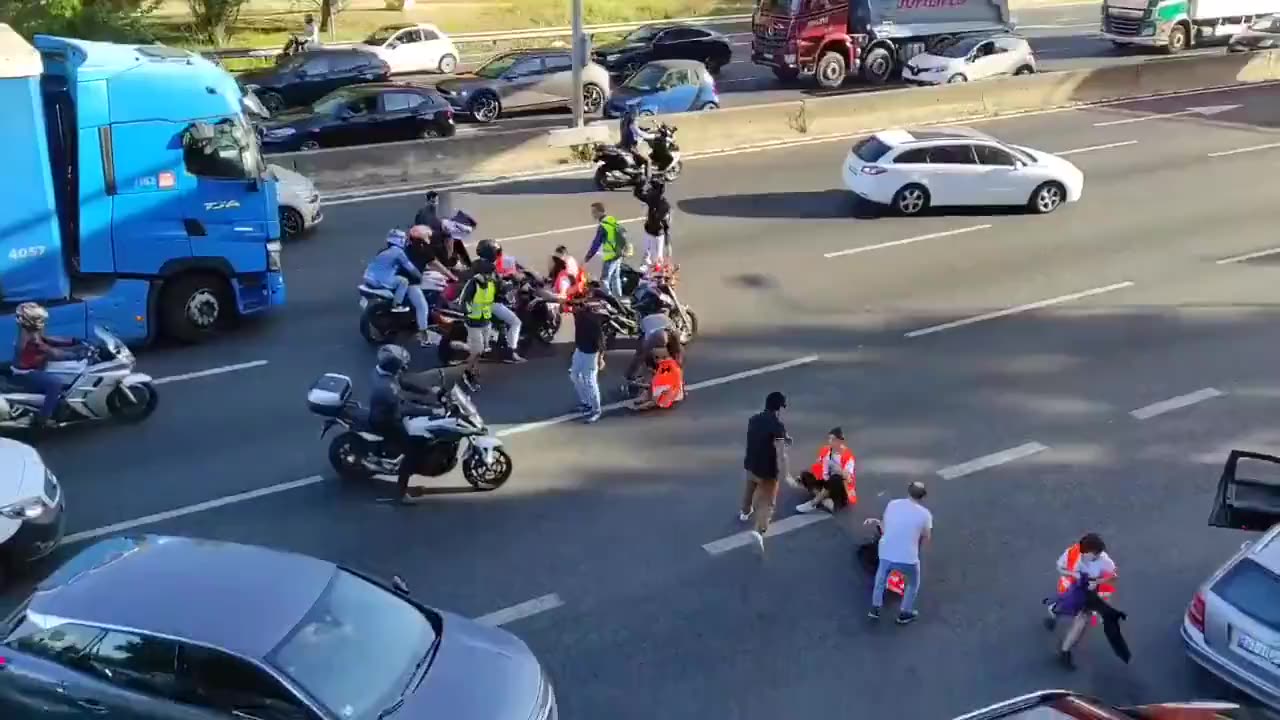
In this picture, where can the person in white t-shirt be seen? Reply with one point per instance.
(1087, 559)
(906, 526)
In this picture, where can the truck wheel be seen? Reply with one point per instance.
(194, 307)
(1177, 40)
(786, 75)
(877, 68)
(831, 71)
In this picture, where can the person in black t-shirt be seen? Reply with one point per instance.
(588, 357)
(657, 223)
(765, 463)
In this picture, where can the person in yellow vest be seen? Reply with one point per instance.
(831, 480)
(612, 245)
(478, 297)
(1085, 559)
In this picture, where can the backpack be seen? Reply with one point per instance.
(624, 243)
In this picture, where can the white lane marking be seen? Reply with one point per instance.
(523, 610)
(1092, 148)
(190, 509)
(1247, 256)
(1251, 148)
(905, 241)
(560, 419)
(1206, 111)
(1176, 403)
(785, 525)
(1019, 309)
(987, 462)
(211, 371)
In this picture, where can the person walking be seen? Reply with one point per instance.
(612, 245)
(765, 464)
(588, 358)
(906, 526)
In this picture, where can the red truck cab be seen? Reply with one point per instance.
(806, 37)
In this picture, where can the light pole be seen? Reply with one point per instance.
(579, 58)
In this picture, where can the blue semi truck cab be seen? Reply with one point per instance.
(136, 196)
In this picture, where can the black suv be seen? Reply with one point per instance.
(308, 76)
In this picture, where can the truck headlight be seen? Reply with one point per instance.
(28, 509)
(273, 256)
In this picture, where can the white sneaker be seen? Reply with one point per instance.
(807, 507)
(759, 538)
(744, 516)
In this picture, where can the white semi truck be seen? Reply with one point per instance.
(1175, 25)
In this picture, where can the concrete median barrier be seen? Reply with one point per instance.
(485, 156)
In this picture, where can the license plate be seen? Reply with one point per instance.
(1257, 648)
(364, 303)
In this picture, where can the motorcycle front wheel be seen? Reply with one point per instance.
(346, 456)
(135, 409)
(673, 172)
(487, 476)
(602, 179)
(686, 327)
(369, 329)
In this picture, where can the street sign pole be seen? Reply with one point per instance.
(579, 59)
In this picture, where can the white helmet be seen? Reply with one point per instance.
(31, 316)
(397, 237)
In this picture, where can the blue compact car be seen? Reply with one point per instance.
(665, 86)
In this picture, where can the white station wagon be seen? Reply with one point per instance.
(911, 171)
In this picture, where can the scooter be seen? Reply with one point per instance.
(382, 319)
(457, 433)
(100, 386)
(618, 168)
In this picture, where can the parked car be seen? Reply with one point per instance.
(1232, 625)
(912, 171)
(361, 115)
(665, 42)
(525, 80)
(1067, 705)
(665, 86)
(1263, 34)
(170, 628)
(971, 58)
(298, 200)
(413, 48)
(308, 76)
(31, 507)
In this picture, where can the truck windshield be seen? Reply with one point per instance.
(781, 7)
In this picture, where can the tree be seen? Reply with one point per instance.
(215, 20)
(118, 20)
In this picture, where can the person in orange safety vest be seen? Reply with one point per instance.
(1086, 558)
(569, 279)
(831, 480)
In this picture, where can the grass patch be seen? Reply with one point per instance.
(268, 23)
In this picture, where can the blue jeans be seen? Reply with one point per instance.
(910, 572)
(585, 373)
(44, 383)
(611, 276)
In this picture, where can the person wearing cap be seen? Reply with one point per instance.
(830, 480)
(765, 464)
(906, 526)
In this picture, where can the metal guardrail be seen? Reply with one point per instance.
(482, 37)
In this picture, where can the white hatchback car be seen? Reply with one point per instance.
(911, 171)
(299, 202)
(413, 48)
(971, 58)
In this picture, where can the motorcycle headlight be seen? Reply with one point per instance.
(28, 509)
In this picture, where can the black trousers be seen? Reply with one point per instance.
(834, 485)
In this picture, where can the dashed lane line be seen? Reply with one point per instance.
(1176, 403)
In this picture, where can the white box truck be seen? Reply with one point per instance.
(1175, 25)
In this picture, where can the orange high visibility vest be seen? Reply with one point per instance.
(846, 455)
(668, 384)
(1073, 559)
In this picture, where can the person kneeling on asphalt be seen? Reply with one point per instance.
(655, 334)
(830, 480)
(390, 405)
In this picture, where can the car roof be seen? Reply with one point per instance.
(537, 52)
(336, 51)
(1266, 551)
(392, 85)
(901, 137)
(241, 598)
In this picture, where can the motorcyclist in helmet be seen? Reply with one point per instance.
(390, 404)
(632, 135)
(423, 256)
(392, 270)
(490, 252)
(308, 39)
(32, 353)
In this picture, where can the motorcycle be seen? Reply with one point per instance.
(540, 320)
(646, 295)
(618, 168)
(382, 319)
(458, 433)
(101, 385)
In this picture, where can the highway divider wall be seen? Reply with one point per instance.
(488, 155)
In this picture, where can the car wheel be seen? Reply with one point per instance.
(714, 67)
(1024, 70)
(592, 98)
(273, 102)
(448, 64)
(957, 78)
(911, 200)
(308, 145)
(709, 106)
(1047, 198)
(291, 223)
(485, 107)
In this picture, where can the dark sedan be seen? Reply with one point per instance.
(361, 115)
(169, 628)
(306, 77)
(665, 42)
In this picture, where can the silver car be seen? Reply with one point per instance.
(1232, 625)
(524, 80)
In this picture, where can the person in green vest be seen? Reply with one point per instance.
(612, 245)
(478, 297)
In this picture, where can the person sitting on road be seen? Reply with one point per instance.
(666, 386)
(631, 136)
(657, 340)
(831, 479)
(390, 404)
(32, 353)
(392, 270)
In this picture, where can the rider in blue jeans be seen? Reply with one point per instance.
(32, 353)
(611, 244)
(906, 526)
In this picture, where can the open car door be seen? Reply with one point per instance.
(1247, 501)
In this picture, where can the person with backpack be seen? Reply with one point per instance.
(612, 245)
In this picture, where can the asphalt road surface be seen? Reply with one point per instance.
(596, 552)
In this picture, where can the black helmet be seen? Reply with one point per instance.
(480, 266)
(392, 359)
(488, 250)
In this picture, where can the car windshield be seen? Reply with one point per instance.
(1267, 24)
(330, 103)
(958, 49)
(648, 79)
(380, 36)
(496, 67)
(1253, 590)
(642, 34)
(356, 649)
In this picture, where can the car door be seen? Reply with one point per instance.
(557, 82)
(984, 61)
(314, 79)
(406, 51)
(231, 686)
(397, 117)
(951, 174)
(1002, 176)
(682, 91)
(434, 47)
(358, 122)
(1012, 54)
(522, 84)
(136, 678)
(224, 202)
(41, 668)
(678, 44)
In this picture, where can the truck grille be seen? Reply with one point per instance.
(1123, 26)
(769, 46)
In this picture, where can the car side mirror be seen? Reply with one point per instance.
(399, 585)
(1018, 164)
